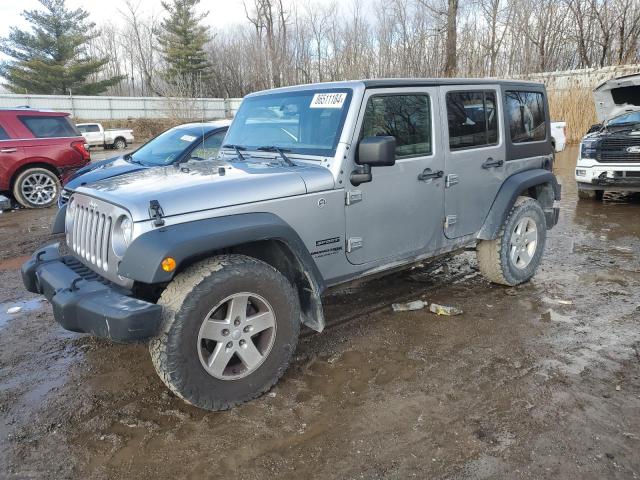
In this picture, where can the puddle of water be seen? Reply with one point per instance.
(26, 306)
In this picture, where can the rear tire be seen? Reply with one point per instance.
(590, 194)
(120, 144)
(36, 188)
(230, 325)
(514, 256)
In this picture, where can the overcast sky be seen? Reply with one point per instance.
(221, 12)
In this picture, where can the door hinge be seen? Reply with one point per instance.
(450, 220)
(354, 243)
(353, 196)
(451, 180)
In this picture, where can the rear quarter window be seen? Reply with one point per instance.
(525, 112)
(3, 134)
(49, 127)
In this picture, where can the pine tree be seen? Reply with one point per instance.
(182, 40)
(52, 58)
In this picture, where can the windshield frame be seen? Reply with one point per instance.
(291, 148)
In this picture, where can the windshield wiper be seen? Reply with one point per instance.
(280, 151)
(237, 148)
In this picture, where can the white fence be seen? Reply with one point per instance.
(583, 78)
(109, 108)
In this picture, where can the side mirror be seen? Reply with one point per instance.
(373, 152)
(377, 151)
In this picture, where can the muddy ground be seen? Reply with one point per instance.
(539, 381)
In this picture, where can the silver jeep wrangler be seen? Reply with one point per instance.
(218, 263)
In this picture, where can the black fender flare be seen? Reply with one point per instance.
(186, 241)
(511, 188)
(58, 221)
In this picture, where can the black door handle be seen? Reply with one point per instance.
(490, 163)
(428, 174)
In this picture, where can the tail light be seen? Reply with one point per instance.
(83, 149)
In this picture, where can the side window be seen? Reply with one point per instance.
(82, 128)
(405, 117)
(47, 127)
(93, 128)
(525, 111)
(3, 134)
(209, 148)
(472, 119)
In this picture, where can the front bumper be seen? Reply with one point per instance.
(85, 302)
(591, 175)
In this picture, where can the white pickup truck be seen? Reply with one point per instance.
(97, 136)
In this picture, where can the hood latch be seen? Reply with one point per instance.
(156, 212)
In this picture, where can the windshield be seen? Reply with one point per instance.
(625, 119)
(306, 122)
(167, 147)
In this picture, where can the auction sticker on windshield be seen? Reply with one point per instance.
(328, 100)
(187, 138)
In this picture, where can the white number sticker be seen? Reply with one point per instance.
(328, 100)
(187, 138)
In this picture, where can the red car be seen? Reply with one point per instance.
(38, 151)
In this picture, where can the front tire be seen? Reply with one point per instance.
(230, 325)
(36, 188)
(514, 256)
(590, 194)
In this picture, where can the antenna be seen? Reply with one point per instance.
(204, 152)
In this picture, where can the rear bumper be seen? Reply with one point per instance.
(84, 302)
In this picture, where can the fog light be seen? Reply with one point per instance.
(168, 264)
(580, 173)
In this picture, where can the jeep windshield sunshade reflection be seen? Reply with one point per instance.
(303, 122)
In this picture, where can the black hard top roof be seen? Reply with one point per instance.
(432, 82)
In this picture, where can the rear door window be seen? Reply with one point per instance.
(525, 111)
(472, 119)
(405, 117)
(3, 134)
(48, 127)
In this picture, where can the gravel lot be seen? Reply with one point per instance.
(539, 381)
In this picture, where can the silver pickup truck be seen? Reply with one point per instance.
(218, 264)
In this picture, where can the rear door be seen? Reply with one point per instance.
(398, 214)
(474, 155)
(11, 152)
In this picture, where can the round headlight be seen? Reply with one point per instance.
(122, 235)
(127, 229)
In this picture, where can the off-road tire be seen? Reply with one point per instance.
(590, 194)
(186, 301)
(493, 255)
(30, 173)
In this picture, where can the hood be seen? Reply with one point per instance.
(207, 185)
(100, 170)
(617, 96)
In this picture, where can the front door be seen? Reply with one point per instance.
(475, 155)
(400, 212)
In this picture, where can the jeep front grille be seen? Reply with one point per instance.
(91, 235)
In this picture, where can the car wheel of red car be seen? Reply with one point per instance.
(36, 188)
